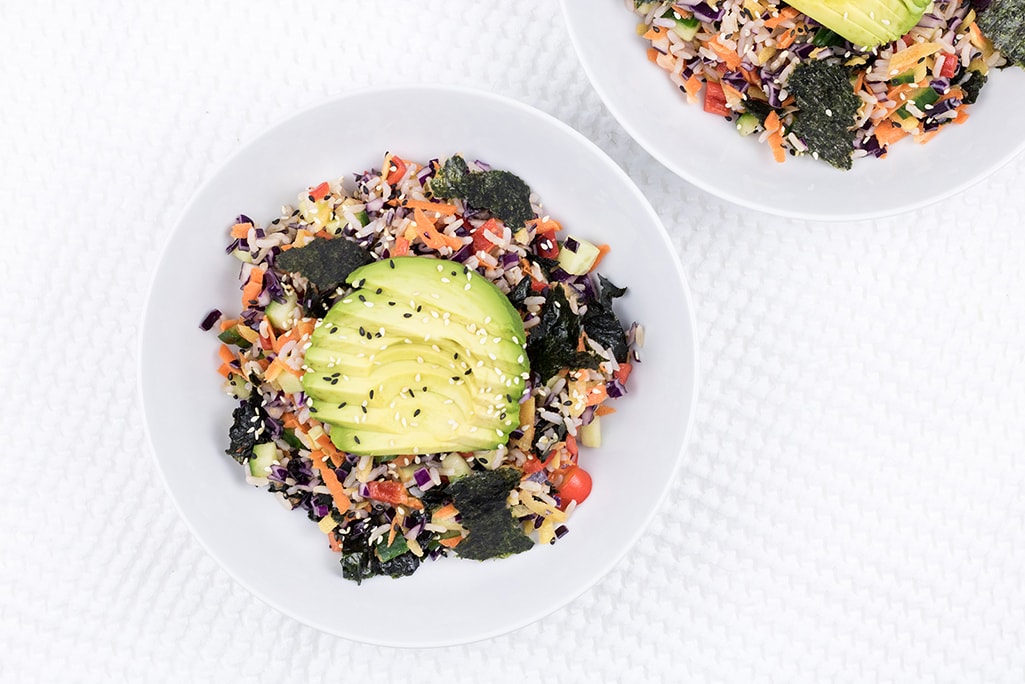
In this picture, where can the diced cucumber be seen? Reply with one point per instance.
(747, 123)
(906, 77)
(924, 97)
(454, 466)
(243, 255)
(590, 434)
(687, 28)
(288, 436)
(290, 383)
(385, 551)
(280, 313)
(264, 456)
(364, 217)
(233, 336)
(580, 260)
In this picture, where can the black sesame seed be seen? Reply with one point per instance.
(391, 303)
(424, 388)
(407, 315)
(419, 308)
(455, 355)
(377, 334)
(455, 378)
(313, 409)
(362, 298)
(453, 272)
(466, 269)
(335, 375)
(379, 290)
(371, 394)
(333, 330)
(355, 439)
(311, 198)
(391, 262)
(508, 398)
(363, 407)
(469, 371)
(362, 332)
(416, 413)
(334, 381)
(342, 405)
(502, 416)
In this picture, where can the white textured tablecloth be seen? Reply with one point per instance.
(850, 508)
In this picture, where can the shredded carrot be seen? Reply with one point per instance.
(906, 59)
(775, 141)
(923, 138)
(431, 236)
(887, 134)
(962, 115)
(729, 57)
(446, 511)
(401, 247)
(602, 251)
(226, 370)
(327, 474)
(784, 14)
(332, 541)
(275, 369)
(228, 323)
(859, 82)
(623, 374)
(450, 542)
(545, 225)
(692, 86)
(240, 230)
(654, 33)
(251, 290)
(439, 207)
(597, 395)
(786, 39)
(653, 54)
(226, 354)
(772, 122)
(604, 410)
(289, 421)
(894, 93)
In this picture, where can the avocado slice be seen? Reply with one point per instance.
(865, 23)
(423, 356)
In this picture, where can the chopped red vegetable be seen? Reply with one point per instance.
(396, 170)
(715, 99)
(320, 192)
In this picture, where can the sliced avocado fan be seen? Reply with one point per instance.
(424, 356)
(865, 23)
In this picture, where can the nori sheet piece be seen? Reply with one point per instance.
(502, 193)
(325, 263)
(827, 110)
(480, 498)
(1003, 22)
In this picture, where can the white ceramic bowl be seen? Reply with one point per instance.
(708, 153)
(279, 555)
